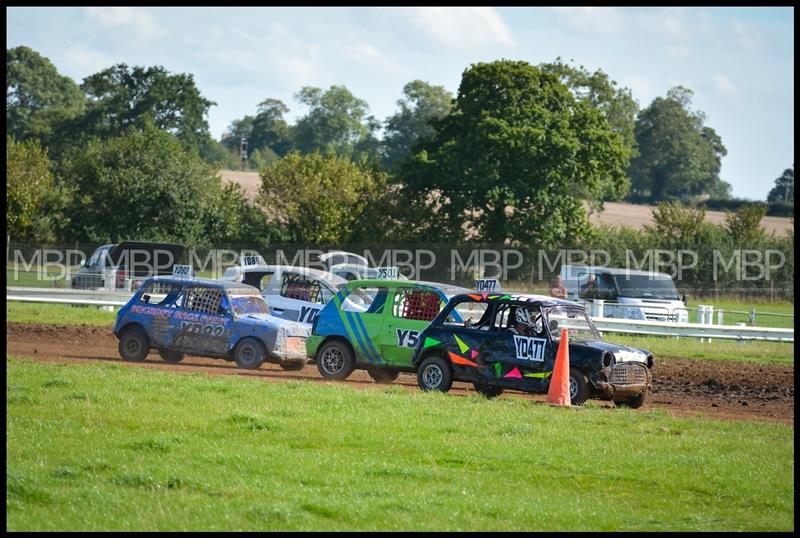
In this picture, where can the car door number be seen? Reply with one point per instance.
(529, 349)
(407, 337)
(308, 314)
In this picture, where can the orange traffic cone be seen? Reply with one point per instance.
(558, 393)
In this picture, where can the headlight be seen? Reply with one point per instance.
(683, 316)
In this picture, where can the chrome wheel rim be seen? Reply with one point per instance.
(573, 388)
(332, 361)
(432, 376)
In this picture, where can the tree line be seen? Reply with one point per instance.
(511, 158)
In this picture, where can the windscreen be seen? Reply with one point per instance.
(646, 287)
(248, 302)
(574, 319)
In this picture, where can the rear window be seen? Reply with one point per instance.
(162, 294)
(294, 286)
(470, 314)
(366, 300)
(414, 303)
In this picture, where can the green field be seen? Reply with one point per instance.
(58, 314)
(717, 349)
(95, 447)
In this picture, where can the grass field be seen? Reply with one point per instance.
(94, 447)
(717, 350)
(58, 314)
(688, 348)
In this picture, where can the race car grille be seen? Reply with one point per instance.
(628, 374)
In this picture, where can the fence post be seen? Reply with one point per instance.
(740, 341)
(597, 308)
(710, 317)
(753, 317)
(719, 317)
(703, 318)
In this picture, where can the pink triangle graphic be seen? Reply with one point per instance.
(473, 353)
(514, 373)
(484, 295)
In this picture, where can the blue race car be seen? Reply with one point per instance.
(210, 318)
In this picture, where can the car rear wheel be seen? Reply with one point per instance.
(489, 391)
(578, 387)
(435, 373)
(293, 366)
(170, 356)
(335, 360)
(634, 403)
(249, 354)
(383, 375)
(133, 345)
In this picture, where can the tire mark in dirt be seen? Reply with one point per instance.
(720, 389)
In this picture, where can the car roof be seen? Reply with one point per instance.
(205, 282)
(618, 271)
(334, 280)
(399, 283)
(525, 299)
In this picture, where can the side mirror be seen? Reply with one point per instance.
(683, 299)
(146, 298)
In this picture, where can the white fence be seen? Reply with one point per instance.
(614, 325)
(697, 330)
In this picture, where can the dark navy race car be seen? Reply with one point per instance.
(510, 342)
(211, 318)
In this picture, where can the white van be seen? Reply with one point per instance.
(626, 294)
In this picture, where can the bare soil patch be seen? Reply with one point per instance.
(719, 389)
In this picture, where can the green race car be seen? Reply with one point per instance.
(374, 324)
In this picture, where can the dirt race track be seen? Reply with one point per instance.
(718, 389)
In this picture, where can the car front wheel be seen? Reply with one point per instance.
(249, 354)
(435, 373)
(133, 345)
(335, 360)
(578, 387)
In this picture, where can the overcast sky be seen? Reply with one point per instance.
(738, 61)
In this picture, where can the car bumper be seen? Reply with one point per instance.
(291, 349)
(626, 379)
(312, 344)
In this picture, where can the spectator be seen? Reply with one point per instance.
(589, 290)
(557, 288)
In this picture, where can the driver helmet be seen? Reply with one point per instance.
(524, 316)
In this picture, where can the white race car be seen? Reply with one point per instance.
(293, 293)
(352, 266)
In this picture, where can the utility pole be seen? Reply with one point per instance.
(243, 153)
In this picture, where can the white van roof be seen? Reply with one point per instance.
(613, 271)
